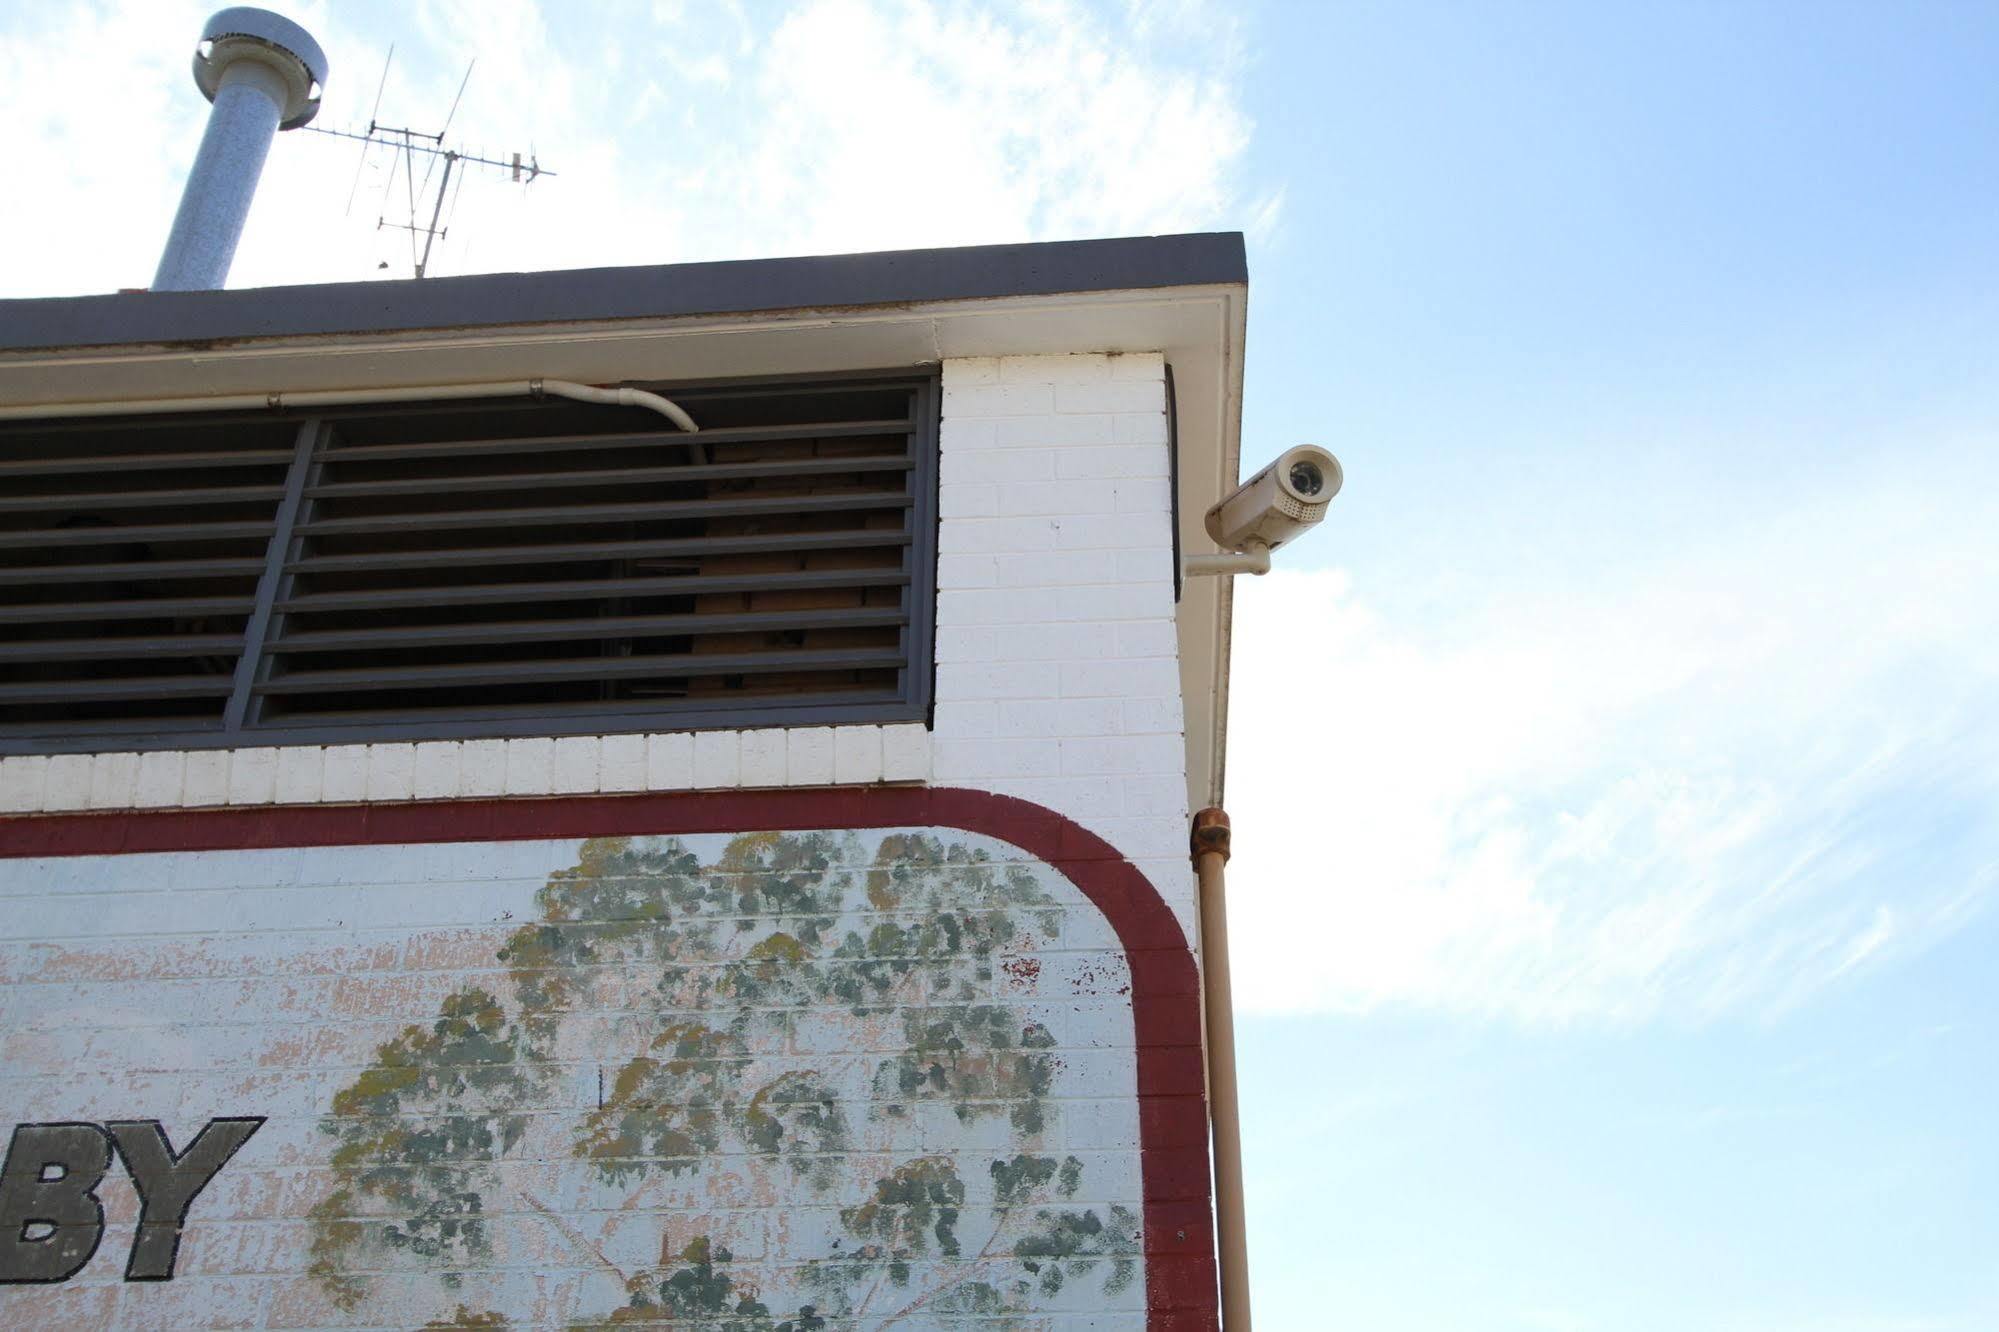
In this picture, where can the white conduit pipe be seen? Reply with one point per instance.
(226, 402)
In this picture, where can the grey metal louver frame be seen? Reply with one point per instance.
(454, 570)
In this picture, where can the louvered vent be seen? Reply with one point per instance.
(493, 570)
(129, 561)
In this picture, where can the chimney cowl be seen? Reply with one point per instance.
(245, 33)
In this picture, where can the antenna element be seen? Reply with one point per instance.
(407, 143)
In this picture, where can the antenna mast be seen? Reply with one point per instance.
(407, 143)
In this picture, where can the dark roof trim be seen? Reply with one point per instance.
(649, 292)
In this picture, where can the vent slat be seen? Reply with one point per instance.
(141, 499)
(128, 571)
(541, 444)
(109, 535)
(597, 717)
(590, 552)
(611, 476)
(107, 649)
(146, 687)
(542, 516)
(144, 462)
(592, 589)
(579, 630)
(162, 608)
(680, 665)
(179, 725)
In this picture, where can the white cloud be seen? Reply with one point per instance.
(956, 125)
(1713, 782)
(101, 128)
(678, 133)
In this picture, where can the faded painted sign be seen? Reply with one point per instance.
(51, 1219)
(766, 1081)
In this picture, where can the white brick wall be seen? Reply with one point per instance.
(1058, 679)
(1057, 674)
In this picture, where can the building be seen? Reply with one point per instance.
(491, 858)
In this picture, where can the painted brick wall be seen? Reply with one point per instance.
(190, 985)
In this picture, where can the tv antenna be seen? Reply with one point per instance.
(406, 145)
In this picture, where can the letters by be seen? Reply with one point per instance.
(51, 1220)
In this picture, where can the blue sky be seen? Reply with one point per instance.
(1662, 347)
(1619, 961)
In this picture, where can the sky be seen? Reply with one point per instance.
(1615, 953)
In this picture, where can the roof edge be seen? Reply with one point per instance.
(560, 296)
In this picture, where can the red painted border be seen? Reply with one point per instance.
(1165, 996)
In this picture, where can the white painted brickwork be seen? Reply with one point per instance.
(1058, 677)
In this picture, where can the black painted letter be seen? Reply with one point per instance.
(168, 1183)
(50, 1216)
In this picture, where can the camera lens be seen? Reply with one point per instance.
(1306, 478)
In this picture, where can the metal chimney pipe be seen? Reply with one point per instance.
(263, 73)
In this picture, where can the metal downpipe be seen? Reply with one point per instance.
(1210, 848)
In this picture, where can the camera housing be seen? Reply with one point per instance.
(1279, 502)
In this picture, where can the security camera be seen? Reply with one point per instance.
(1278, 502)
(1268, 510)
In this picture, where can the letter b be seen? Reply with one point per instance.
(50, 1218)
